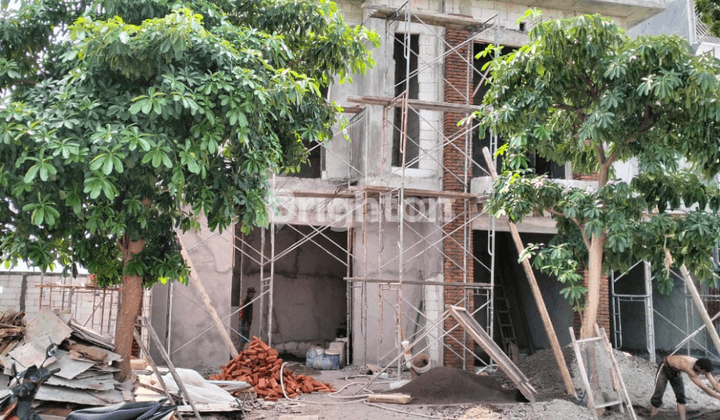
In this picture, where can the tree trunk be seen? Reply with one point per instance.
(592, 300)
(131, 293)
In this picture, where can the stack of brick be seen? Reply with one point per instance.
(260, 365)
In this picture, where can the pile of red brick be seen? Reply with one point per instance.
(259, 366)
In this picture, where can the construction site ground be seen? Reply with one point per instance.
(448, 393)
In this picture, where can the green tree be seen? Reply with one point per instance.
(583, 92)
(122, 122)
(710, 14)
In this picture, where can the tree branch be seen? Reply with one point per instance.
(592, 92)
(586, 240)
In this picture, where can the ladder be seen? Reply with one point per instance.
(505, 323)
(596, 361)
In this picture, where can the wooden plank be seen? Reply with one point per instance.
(428, 18)
(698, 302)
(420, 282)
(208, 303)
(90, 335)
(415, 104)
(169, 363)
(417, 192)
(471, 326)
(140, 342)
(390, 398)
(209, 408)
(537, 294)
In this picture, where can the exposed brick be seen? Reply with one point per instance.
(603, 315)
(457, 76)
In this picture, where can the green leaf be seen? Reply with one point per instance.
(31, 174)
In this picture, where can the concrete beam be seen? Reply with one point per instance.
(632, 11)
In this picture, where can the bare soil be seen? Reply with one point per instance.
(447, 393)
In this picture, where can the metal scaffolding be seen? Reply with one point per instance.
(372, 194)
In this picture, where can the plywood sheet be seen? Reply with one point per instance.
(94, 398)
(95, 383)
(471, 326)
(69, 368)
(45, 328)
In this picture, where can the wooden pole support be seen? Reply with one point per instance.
(554, 343)
(170, 366)
(698, 302)
(208, 303)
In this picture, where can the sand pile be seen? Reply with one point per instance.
(445, 385)
(638, 375)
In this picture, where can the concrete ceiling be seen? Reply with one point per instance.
(633, 11)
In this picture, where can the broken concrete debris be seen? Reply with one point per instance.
(261, 367)
(85, 358)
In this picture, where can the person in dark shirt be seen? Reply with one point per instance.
(246, 314)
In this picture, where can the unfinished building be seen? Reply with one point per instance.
(343, 260)
(384, 227)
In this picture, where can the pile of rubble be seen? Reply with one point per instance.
(84, 357)
(12, 330)
(261, 367)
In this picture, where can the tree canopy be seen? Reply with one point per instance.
(710, 14)
(583, 92)
(125, 120)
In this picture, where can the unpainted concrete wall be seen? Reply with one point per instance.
(674, 20)
(189, 332)
(375, 335)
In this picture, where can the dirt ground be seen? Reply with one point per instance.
(446, 393)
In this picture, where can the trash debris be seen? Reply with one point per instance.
(12, 330)
(260, 366)
(200, 390)
(85, 358)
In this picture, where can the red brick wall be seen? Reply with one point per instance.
(603, 316)
(456, 77)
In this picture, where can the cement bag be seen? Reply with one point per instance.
(199, 389)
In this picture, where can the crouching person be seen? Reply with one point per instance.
(671, 371)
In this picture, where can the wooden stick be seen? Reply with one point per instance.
(537, 294)
(211, 309)
(390, 398)
(164, 389)
(698, 302)
(171, 367)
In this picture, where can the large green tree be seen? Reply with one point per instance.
(709, 11)
(583, 92)
(121, 122)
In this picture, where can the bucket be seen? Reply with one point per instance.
(334, 357)
(338, 347)
(420, 364)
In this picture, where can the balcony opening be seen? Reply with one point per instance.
(480, 140)
(405, 54)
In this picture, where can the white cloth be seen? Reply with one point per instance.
(199, 389)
